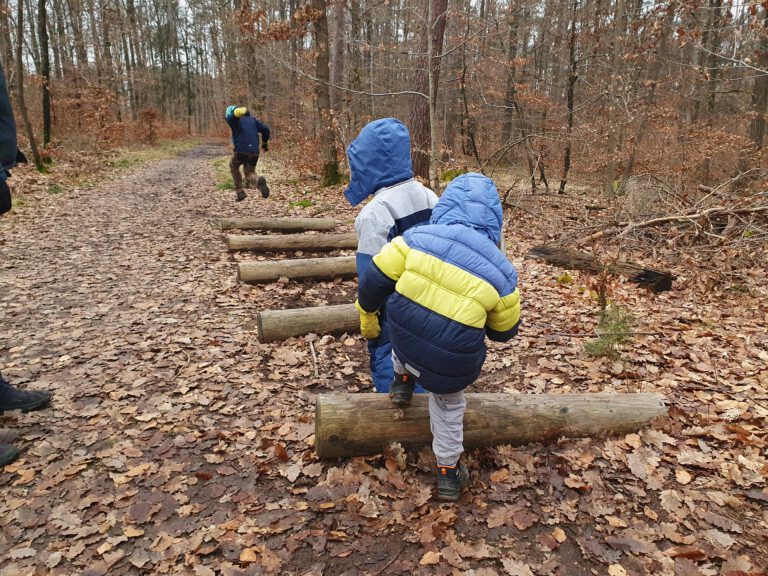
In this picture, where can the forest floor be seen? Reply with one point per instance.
(177, 443)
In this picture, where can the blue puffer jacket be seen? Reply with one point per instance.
(453, 287)
(7, 131)
(245, 132)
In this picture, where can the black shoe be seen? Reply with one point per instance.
(240, 195)
(450, 481)
(401, 390)
(8, 453)
(25, 400)
(261, 184)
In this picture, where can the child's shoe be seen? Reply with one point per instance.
(261, 184)
(450, 481)
(401, 390)
(240, 195)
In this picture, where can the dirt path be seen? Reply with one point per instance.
(179, 444)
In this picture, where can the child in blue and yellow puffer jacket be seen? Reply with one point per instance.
(452, 288)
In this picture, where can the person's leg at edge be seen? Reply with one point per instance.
(12, 398)
(446, 420)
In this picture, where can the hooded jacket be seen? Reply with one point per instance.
(380, 165)
(452, 287)
(245, 131)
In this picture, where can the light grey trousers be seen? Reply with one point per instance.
(446, 419)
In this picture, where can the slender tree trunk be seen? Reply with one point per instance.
(757, 127)
(427, 82)
(572, 77)
(331, 175)
(613, 100)
(42, 23)
(20, 87)
(339, 46)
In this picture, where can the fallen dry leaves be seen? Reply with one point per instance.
(180, 444)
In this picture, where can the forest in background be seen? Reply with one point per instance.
(596, 89)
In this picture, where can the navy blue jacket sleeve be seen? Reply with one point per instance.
(374, 288)
(263, 130)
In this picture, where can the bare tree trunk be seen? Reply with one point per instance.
(572, 77)
(613, 99)
(331, 174)
(757, 127)
(42, 23)
(20, 87)
(427, 82)
(339, 46)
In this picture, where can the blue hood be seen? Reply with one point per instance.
(379, 157)
(471, 200)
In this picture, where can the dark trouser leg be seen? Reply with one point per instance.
(234, 168)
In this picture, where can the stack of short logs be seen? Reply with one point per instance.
(274, 325)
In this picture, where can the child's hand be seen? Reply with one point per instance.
(369, 323)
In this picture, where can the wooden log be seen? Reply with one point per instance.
(275, 325)
(282, 243)
(361, 424)
(656, 280)
(253, 272)
(278, 224)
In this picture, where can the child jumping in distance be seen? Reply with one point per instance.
(450, 287)
(245, 137)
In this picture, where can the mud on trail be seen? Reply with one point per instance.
(177, 443)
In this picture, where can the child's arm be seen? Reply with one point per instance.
(504, 319)
(381, 276)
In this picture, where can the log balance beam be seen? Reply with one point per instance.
(277, 224)
(363, 424)
(287, 242)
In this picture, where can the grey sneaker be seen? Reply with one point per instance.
(450, 481)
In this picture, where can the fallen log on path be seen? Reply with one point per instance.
(278, 224)
(253, 272)
(281, 243)
(273, 325)
(362, 424)
(656, 280)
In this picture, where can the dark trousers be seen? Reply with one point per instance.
(248, 161)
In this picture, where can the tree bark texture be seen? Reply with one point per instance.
(420, 112)
(20, 87)
(279, 243)
(331, 173)
(42, 23)
(274, 325)
(278, 224)
(362, 424)
(263, 272)
(656, 280)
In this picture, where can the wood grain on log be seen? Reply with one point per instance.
(253, 272)
(656, 280)
(278, 224)
(281, 243)
(275, 325)
(361, 424)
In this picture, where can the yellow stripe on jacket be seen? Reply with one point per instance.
(506, 313)
(458, 295)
